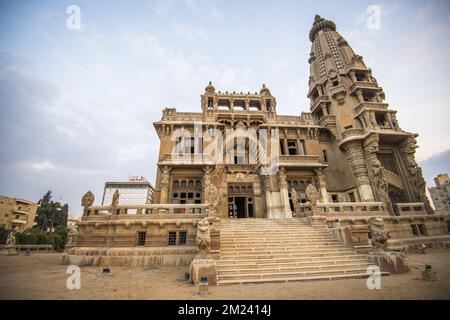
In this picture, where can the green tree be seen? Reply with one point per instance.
(50, 214)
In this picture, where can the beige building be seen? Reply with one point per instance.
(247, 186)
(17, 213)
(349, 146)
(441, 194)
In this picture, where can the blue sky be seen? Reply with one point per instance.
(77, 106)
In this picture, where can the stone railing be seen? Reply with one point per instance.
(373, 106)
(318, 101)
(159, 210)
(411, 209)
(186, 158)
(31, 247)
(362, 85)
(299, 159)
(351, 209)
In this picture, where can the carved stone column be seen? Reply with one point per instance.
(322, 185)
(415, 176)
(265, 181)
(165, 184)
(376, 173)
(284, 193)
(355, 156)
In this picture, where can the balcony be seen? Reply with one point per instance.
(19, 221)
(363, 85)
(300, 161)
(187, 159)
(372, 106)
(17, 209)
(319, 100)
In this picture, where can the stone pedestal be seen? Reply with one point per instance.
(203, 268)
(9, 250)
(392, 262)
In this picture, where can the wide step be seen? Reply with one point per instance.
(261, 250)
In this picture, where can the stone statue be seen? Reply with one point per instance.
(73, 234)
(88, 199)
(295, 201)
(282, 178)
(379, 234)
(11, 239)
(115, 199)
(212, 194)
(203, 239)
(165, 178)
(312, 194)
(380, 180)
(320, 178)
(415, 172)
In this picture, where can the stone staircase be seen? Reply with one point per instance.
(262, 250)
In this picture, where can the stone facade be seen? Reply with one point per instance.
(440, 194)
(340, 166)
(350, 146)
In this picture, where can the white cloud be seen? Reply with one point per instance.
(41, 165)
(189, 33)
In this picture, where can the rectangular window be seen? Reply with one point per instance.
(292, 147)
(325, 156)
(282, 151)
(178, 145)
(141, 238)
(172, 238)
(182, 238)
(351, 196)
(189, 145)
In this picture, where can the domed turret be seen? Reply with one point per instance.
(210, 88)
(320, 24)
(264, 90)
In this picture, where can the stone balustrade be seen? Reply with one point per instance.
(187, 158)
(299, 160)
(411, 209)
(31, 247)
(149, 209)
(342, 209)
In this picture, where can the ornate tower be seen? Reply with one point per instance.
(346, 99)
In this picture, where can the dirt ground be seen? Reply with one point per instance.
(41, 276)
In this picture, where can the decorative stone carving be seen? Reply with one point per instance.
(165, 178)
(87, 200)
(282, 180)
(312, 133)
(312, 194)
(211, 192)
(322, 183)
(295, 201)
(115, 199)
(415, 175)
(380, 181)
(73, 235)
(11, 239)
(203, 239)
(379, 234)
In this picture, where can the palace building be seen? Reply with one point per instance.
(326, 185)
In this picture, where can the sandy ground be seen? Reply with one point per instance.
(41, 276)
